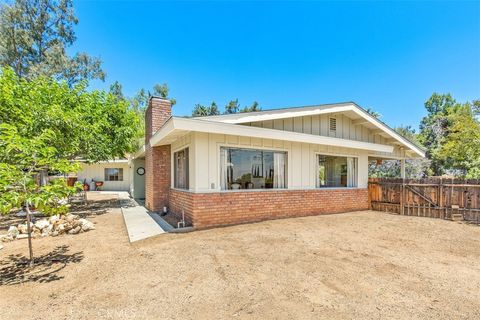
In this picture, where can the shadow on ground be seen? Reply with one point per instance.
(15, 269)
(94, 206)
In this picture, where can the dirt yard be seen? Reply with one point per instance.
(368, 265)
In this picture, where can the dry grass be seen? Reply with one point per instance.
(347, 266)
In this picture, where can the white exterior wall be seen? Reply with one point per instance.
(97, 172)
(204, 158)
(319, 125)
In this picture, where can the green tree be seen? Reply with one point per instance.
(34, 37)
(434, 127)
(373, 113)
(22, 159)
(93, 125)
(460, 149)
(253, 108)
(232, 107)
(162, 90)
(414, 168)
(202, 111)
(116, 90)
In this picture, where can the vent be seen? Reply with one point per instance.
(333, 124)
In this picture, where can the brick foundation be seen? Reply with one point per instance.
(203, 210)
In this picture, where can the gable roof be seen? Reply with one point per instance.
(351, 109)
(176, 127)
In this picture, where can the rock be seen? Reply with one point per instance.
(60, 228)
(46, 231)
(22, 228)
(71, 217)
(13, 231)
(42, 223)
(75, 230)
(54, 219)
(54, 233)
(1, 247)
(86, 225)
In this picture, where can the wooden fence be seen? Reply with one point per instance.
(431, 197)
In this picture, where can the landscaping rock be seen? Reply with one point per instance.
(54, 219)
(43, 223)
(53, 226)
(13, 231)
(1, 247)
(75, 230)
(22, 228)
(71, 217)
(46, 231)
(86, 225)
(60, 228)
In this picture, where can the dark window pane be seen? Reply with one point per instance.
(113, 174)
(181, 178)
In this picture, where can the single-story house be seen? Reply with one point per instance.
(246, 167)
(116, 175)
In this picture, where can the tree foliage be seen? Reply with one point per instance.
(93, 125)
(231, 107)
(373, 113)
(34, 37)
(202, 111)
(460, 148)
(450, 132)
(22, 159)
(414, 168)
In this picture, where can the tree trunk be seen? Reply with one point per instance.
(29, 230)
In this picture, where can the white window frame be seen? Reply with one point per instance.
(172, 167)
(109, 175)
(240, 146)
(320, 153)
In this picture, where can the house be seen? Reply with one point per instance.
(116, 175)
(246, 167)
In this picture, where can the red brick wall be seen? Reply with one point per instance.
(157, 177)
(225, 208)
(157, 159)
(157, 113)
(181, 200)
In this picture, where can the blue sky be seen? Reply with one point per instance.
(389, 56)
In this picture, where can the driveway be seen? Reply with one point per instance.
(360, 265)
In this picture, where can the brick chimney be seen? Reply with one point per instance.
(159, 110)
(157, 158)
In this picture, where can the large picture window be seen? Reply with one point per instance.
(113, 174)
(252, 169)
(180, 163)
(336, 171)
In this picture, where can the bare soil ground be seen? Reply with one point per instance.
(347, 266)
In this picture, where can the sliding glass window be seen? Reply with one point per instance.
(336, 172)
(252, 169)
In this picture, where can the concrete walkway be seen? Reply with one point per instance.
(140, 225)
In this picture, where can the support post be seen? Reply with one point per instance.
(402, 168)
